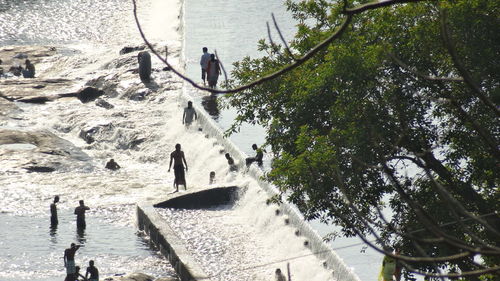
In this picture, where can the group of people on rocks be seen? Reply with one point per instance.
(73, 271)
(17, 70)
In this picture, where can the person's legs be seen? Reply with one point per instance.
(203, 75)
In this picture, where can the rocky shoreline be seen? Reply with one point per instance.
(60, 78)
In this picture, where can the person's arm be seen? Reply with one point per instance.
(87, 273)
(170, 165)
(184, 159)
(195, 115)
(75, 212)
(65, 258)
(86, 208)
(218, 68)
(183, 116)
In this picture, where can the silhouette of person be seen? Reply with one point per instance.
(213, 71)
(53, 212)
(258, 156)
(29, 71)
(204, 63)
(177, 156)
(112, 165)
(189, 113)
(279, 276)
(230, 162)
(80, 215)
(69, 261)
(212, 178)
(92, 271)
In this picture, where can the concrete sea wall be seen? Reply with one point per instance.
(169, 244)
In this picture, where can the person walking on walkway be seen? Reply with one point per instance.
(177, 156)
(213, 71)
(204, 64)
(189, 114)
(80, 215)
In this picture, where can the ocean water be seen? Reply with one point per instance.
(93, 31)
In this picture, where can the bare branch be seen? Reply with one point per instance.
(376, 5)
(421, 75)
(282, 38)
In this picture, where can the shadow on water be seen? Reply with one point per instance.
(210, 104)
(80, 236)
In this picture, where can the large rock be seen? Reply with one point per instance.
(39, 151)
(89, 94)
(144, 59)
(131, 277)
(104, 104)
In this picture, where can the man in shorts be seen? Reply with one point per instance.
(204, 64)
(69, 261)
(177, 156)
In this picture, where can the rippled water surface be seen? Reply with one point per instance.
(63, 21)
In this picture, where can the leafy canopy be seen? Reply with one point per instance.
(386, 117)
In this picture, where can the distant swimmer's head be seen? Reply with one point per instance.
(91, 263)
(81, 202)
(228, 156)
(178, 146)
(56, 199)
(278, 271)
(254, 146)
(190, 104)
(205, 49)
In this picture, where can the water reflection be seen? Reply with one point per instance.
(211, 106)
(80, 236)
(53, 234)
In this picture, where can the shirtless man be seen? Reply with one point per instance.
(178, 158)
(69, 261)
(80, 215)
(92, 271)
(53, 212)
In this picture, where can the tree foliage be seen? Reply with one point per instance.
(400, 114)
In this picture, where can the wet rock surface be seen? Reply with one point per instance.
(39, 151)
(42, 151)
(139, 277)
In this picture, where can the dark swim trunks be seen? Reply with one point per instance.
(179, 174)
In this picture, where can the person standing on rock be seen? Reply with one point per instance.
(69, 261)
(177, 156)
(204, 64)
(189, 114)
(80, 215)
(53, 212)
